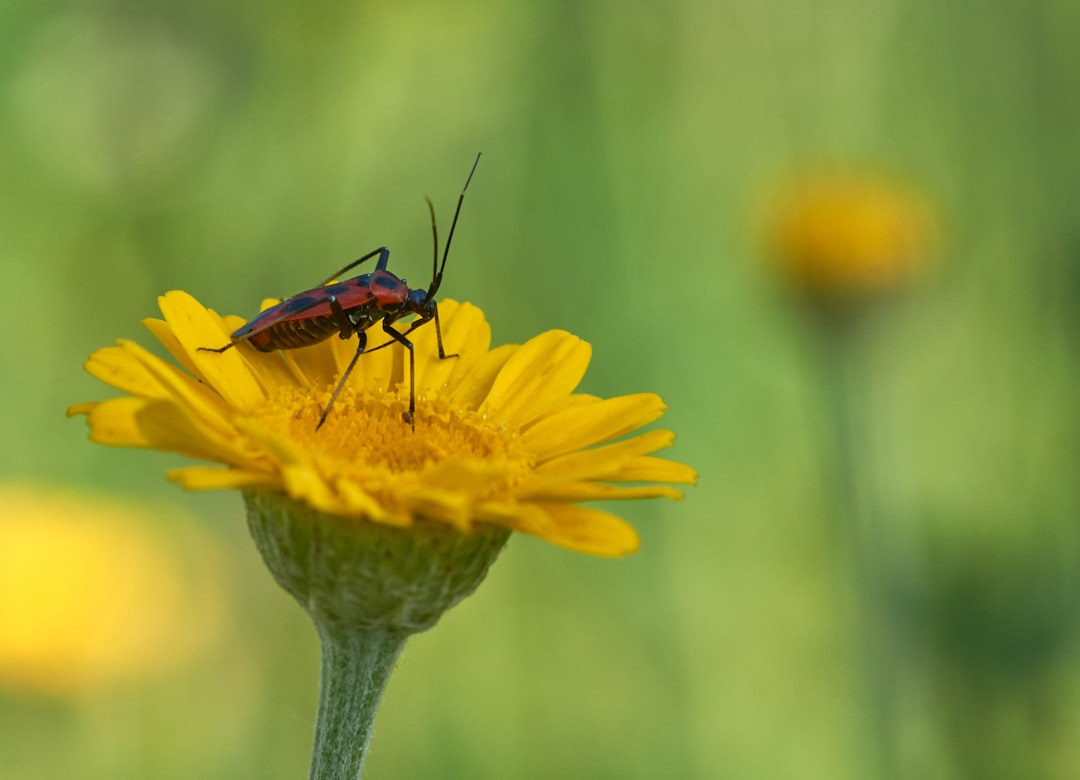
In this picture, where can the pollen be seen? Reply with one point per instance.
(369, 430)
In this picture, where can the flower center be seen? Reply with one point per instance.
(368, 430)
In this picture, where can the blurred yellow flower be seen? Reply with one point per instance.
(501, 437)
(851, 235)
(90, 596)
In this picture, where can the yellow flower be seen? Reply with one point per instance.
(90, 595)
(501, 437)
(850, 235)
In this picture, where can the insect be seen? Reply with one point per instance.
(352, 307)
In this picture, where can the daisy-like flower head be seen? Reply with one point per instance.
(501, 438)
(847, 236)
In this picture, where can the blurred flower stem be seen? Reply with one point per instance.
(846, 244)
(860, 539)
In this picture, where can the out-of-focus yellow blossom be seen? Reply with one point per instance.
(849, 236)
(90, 595)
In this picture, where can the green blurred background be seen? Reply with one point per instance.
(246, 150)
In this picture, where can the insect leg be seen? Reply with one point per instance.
(384, 258)
(219, 350)
(399, 337)
(341, 383)
(341, 319)
(438, 337)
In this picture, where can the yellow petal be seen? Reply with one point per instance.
(576, 528)
(113, 422)
(602, 462)
(436, 504)
(171, 427)
(464, 326)
(472, 478)
(301, 475)
(203, 402)
(518, 516)
(589, 530)
(466, 334)
(584, 425)
(598, 464)
(577, 400)
(279, 449)
(226, 372)
(650, 469)
(592, 491)
(162, 331)
(298, 373)
(232, 323)
(303, 483)
(83, 408)
(160, 425)
(471, 390)
(212, 478)
(271, 370)
(116, 366)
(544, 371)
(379, 367)
(319, 364)
(362, 504)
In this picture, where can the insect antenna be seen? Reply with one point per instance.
(434, 241)
(436, 279)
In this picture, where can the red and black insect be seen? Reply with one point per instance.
(351, 307)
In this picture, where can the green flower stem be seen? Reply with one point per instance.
(355, 670)
(367, 588)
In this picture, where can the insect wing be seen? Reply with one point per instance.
(303, 305)
(308, 305)
(351, 294)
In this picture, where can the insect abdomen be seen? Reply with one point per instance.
(294, 334)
